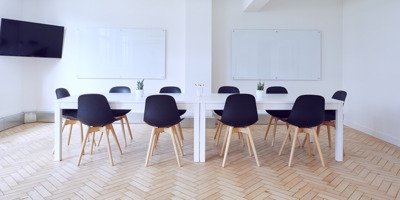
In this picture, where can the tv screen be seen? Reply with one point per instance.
(20, 38)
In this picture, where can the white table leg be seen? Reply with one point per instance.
(339, 134)
(196, 133)
(202, 133)
(57, 133)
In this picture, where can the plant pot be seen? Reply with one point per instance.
(139, 93)
(259, 93)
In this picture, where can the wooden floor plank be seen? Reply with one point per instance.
(370, 170)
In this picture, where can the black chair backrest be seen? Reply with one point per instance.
(61, 93)
(67, 113)
(229, 89)
(308, 111)
(120, 89)
(240, 110)
(161, 111)
(170, 89)
(94, 110)
(226, 90)
(276, 90)
(340, 95)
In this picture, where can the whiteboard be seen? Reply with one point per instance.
(121, 53)
(276, 54)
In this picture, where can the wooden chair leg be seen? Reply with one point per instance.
(157, 135)
(269, 125)
(177, 140)
(329, 135)
(179, 134)
(175, 146)
(91, 146)
(123, 131)
(217, 129)
(252, 145)
(224, 143)
(308, 144)
(151, 144)
(81, 127)
(129, 127)
(70, 132)
(227, 146)
(180, 131)
(108, 145)
(296, 132)
(110, 127)
(218, 133)
(83, 147)
(318, 147)
(274, 133)
(248, 144)
(285, 140)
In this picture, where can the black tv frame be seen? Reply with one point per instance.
(30, 39)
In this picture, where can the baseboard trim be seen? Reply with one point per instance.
(382, 136)
(11, 121)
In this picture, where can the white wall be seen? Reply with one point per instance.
(11, 101)
(42, 76)
(198, 24)
(325, 16)
(45, 75)
(371, 67)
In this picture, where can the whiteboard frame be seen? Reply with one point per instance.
(248, 60)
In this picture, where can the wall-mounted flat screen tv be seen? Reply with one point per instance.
(28, 39)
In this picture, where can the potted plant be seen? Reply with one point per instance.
(139, 88)
(260, 89)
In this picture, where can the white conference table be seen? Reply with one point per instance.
(199, 107)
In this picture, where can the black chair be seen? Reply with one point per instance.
(162, 113)
(174, 89)
(330, 115)
(94, 111)
(240, 111)
(70, 115)
(223, 90)
(306, 115)
(121, 114)
(276, 115)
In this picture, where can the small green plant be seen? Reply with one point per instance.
(260, 85)
(140, 84)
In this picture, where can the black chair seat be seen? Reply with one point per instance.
(120, 89)
(172, 89)
(281, 114)
(330, 115)
(226, 90)
(71, 114)
(122, 114)
(117, 113)
(276, 115)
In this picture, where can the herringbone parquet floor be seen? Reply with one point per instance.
(371, 169)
